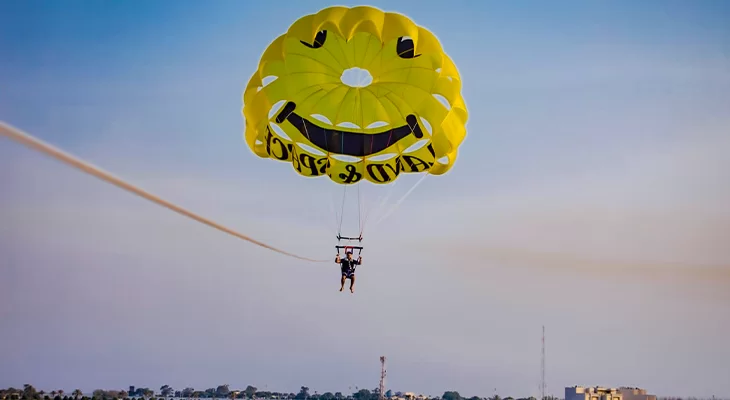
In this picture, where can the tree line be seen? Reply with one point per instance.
(220, 392)
(28, 392)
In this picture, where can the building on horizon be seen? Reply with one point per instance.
(592, 393)
(632, 393)
(407, 396)
(604, 393)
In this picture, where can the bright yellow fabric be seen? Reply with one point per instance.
(366, 38)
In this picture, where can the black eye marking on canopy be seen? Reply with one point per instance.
(318, 40)
(348, 143)
(405, 48)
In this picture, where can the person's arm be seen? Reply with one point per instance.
(337, 259)
(359, 260)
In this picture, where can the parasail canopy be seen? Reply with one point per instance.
(356, 94)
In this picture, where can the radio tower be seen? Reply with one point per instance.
(542, 381)
(381, 390)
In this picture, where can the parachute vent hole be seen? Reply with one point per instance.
(426, 125)
(442, 100)
(377, 124)
(277, 129)
(346, 158)
(438, 70)
(383, 157)
(311, 149)
(322, 118)
(356, 77)
(443, 160)
(258, 142)
(416, 146)
(268, 79)
(348, 125)
(275, 108)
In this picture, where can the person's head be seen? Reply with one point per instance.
(349, 255)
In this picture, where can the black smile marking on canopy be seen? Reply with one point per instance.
(348, 143)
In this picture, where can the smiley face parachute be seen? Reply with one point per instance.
(356, 94)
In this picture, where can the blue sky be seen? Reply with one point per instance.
(591, 196)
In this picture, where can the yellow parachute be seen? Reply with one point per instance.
(356, 93)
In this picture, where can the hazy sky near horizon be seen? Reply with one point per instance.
(591, 196)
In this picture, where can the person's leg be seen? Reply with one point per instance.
(342, 282)
(352, 283)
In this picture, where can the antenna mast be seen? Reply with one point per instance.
(381, 390)
(542, 382)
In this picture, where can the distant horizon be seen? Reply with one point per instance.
(156, 393)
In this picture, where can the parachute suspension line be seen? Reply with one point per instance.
(342, 211)
(397, 203)
(60, 155)
(334, 212)
(327, 210)
(327, 226)
(361, 122)
(344, 194)
(332, 202)
(306, 132)
(359, 211)
(383, 200)
(369, 211)
(390, 137)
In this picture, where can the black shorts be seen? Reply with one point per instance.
(348, 274)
